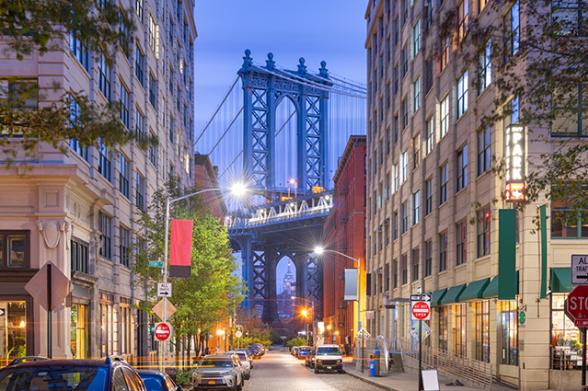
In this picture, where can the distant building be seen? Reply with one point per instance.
(205, 177)
(344, 231)
(285, 297)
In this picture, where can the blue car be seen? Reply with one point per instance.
(157, 381)
(303, 352)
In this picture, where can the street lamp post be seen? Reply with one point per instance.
(312, 310)
(320, 250)
(238, 190)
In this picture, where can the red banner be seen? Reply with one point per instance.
(180, 256)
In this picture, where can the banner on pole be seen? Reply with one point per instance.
(350, 285)
(180, 257)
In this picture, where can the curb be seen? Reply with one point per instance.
(371, 382)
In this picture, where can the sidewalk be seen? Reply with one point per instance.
(407, 381)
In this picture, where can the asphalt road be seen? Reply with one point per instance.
(279, 371)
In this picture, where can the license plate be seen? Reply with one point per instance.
(212, 382)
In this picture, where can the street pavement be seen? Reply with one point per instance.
(279, 371)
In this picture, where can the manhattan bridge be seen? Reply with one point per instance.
(283, 131)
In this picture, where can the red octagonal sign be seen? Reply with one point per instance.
(576, 306)
(162, 331)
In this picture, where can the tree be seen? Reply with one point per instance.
(212, 290)
(53, 114)
(535, 53)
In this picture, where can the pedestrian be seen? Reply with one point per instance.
(347, 346)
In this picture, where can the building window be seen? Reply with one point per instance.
(404, 113)
(461, 229)
(513, 27)
(403, 167)
(125, 246)
(569, 17)
(395, 178)
(74, 115)
(565, 336)
(415, 263)
(462, 94)
(569, 108)
(79, 331)
(484, 152)
(395, 225)
(443, 251)
(108, 326)
(153, 150)
(124, 176)
(444, 117)
(462, 168)
(428, 196)
(104, 74)
(416, 207)
(430, 136)
(443, 182)
(78, 256)
(140, 192)
(14, 249)
(485, 72)
(153, 88)
(428, 258)
(404, 58)
(416, 39)
(125, 327)
(416, 95)
(403, 218)
(140, 125)
(483, 229)
(124, 105)
(509, 331)
(15, 324)
(104, 163)
(443, 328)
(105, 226)
(139, 9)
(404, 266)
(458, 330)
(152, 33)
(566, 222)
(482, 330)
(139, 64)
(394, 273)
(79, 50)
(444, 58)
(463, 13)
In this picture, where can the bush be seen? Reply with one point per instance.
(298, 341)
(184, 378)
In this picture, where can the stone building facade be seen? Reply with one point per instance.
(79, 210)
(433, 203)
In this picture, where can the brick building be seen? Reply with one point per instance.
(344, 231)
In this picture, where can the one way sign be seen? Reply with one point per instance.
(580, 269)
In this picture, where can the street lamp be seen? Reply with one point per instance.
(319, 251)
(304, 314)
(237, 190)
(312, 312)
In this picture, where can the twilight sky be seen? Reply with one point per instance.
(330, 30)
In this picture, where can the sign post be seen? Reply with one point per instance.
(420, 309)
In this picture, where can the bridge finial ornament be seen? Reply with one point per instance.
(301, 66)
(323, 71)
(247, 60)
(270, 63)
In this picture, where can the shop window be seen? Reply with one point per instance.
(482, 330)
(458, 330)
(79, 332)
(443, 328)
(125, 323)
(13, 330)
(108, 326)
(509, 332)
(565, 337)
(14, 249)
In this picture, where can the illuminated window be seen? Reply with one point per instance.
(458, 330)
(507, 310)
(482, 330)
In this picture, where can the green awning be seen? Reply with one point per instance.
(437, 296)
(452, 295)
(492, 288)
(474, 290)
(561, 279)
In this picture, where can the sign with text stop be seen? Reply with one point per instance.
(576, 306)
(162, 331)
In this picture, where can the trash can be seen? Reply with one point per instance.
(377, 361)
(372, 366)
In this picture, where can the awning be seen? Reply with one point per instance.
(452, 295)
(561, 279)
(492, 288)
(474, 290)
(437, 296)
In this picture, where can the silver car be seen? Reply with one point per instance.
(246, 362)
(218, 372)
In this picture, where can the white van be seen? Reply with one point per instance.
(328, 358)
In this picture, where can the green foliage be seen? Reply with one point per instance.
(262, 339)
(184, 378)
(42, 114)
(297, 341)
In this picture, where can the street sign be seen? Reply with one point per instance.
(164, 289)
(59, 286)
(158, 309)
(576, 305)
(157, 263)
(579, 269)
(2, 311)
(238, 333)
(162, 331)
(420, 307)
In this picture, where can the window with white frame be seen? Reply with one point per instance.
(403, 167)
(462, 167)
(416, 207)
(430, 136)
(416, 39)
(416, 95)
(462, 94)
(485, 72)
(484, 152)
(444, 117)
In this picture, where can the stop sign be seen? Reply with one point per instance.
(421, 310)
(576, 306)
(162, 331)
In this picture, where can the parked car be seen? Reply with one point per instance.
(218, 372)
(157, 381)
(328, 358)
(246, 361)
(94, 375)
(309, 360)
(294, 351)
(22, 360)
(303, 352)
(257, 351)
